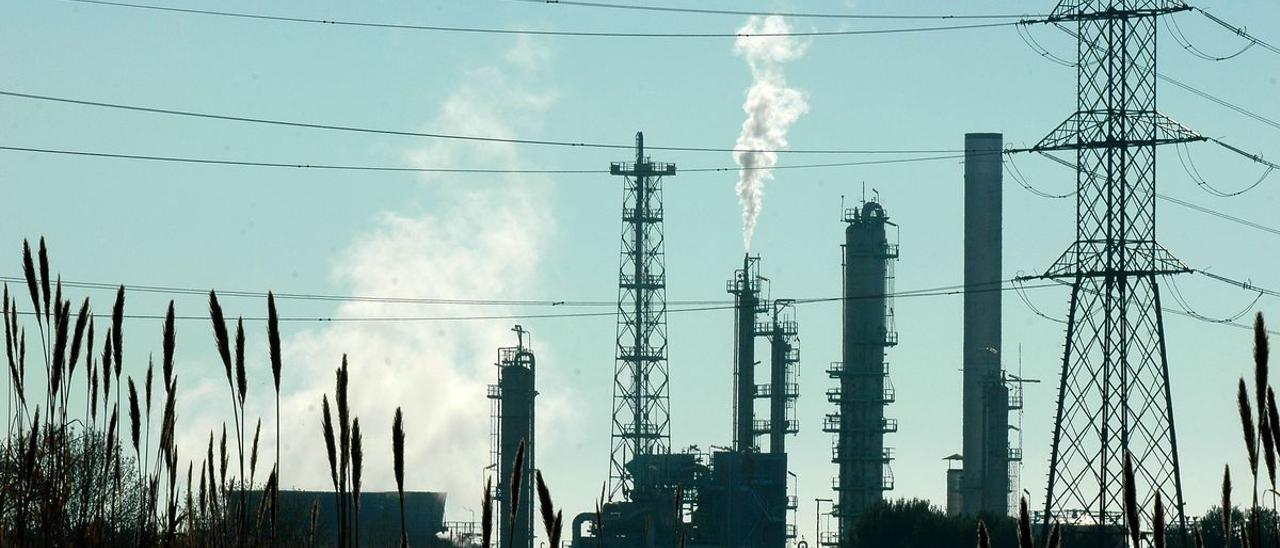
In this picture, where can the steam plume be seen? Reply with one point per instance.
(771, 108)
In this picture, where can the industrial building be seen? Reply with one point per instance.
(740, 496)
(743, 494)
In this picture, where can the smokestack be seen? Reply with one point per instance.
(745, 286)
(985, 484)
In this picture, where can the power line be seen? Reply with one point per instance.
(1201, 93)
(1018, 177)
(1218, 214)
(450, 136)
(707, 306)
(793, 14)
(1220, 101)
(1246, 285)
(355, 167)
(1187, 204)
(580, 34)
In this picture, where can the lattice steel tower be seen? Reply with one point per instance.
(641, 423)
(1113, 394)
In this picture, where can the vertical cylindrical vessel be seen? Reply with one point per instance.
(516, 386)
(779, 347)
(985, 484)
(860, 424)
(745, 287)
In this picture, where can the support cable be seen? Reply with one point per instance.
(1185, 314)
(1026, 300)
(1024, 32)
(1171, 23)
(1239, 31)
(1188, 165)
(1016, 174)
(1176, 292)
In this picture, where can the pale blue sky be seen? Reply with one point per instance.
(297, 231)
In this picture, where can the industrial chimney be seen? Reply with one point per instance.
(984, 483)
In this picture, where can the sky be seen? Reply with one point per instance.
(556, 237)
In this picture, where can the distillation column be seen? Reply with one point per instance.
(864, 390)
(513, 421)
(782, 390)
(745, 288)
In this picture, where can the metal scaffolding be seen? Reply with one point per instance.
(641, 420)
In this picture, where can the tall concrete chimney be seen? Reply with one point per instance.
(985, 484)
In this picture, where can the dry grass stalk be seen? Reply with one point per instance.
(984, 537)
(397, 455)
(486, 515)
(326, 424)
(517, 474)
(220, 338)
(29, 272)
(315, 517)
(1024, 525)
(1158, 524)
(1132, 519)
(1055, 539)
(1226, 504)
(117, 331)
(169, 340)
(344, 447)
(599, 527)
(1246, 422)
(253, 453)
(1261, 353)
(1273, 423)
(242, 381)
(273, 346)
(357, 467)
(134, 426)
(44, 276)
(545, 508)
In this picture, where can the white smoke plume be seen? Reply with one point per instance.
(481, 237)
(771, 108)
